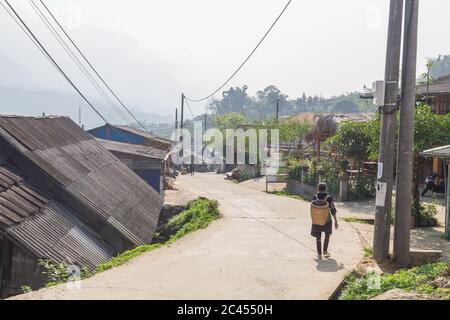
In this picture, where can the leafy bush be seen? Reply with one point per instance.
(58, 273)
(361, 188)
(417, 279)
(424, 214)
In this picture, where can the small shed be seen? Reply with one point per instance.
(444, 154)
(146, 162)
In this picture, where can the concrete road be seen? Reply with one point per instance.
(260, 249)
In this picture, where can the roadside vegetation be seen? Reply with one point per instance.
(285, 194)
(421, 280)
(358, 220)
(198, 214)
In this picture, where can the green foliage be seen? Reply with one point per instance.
(318, 171)
(361, 188)
(26, 289)
(229, 121)
(424, 214)
(356, 141)
(263, 104)
(291, 131)
(58, 273)
(198, 215)
(285, 194)
(355, 220)
(415, 280)
(368, 252)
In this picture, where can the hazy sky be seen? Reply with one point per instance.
(153, 50)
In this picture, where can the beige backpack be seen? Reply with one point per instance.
(320, 212)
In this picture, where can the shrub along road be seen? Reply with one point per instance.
(260, 249)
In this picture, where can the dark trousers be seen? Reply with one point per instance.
(325, 244)
(429, 187)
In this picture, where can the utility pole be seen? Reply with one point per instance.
(278, 109)
(176, 118)
(406, 137)
(79, 116)
(205, 123)
(182, 111)
(385, 175)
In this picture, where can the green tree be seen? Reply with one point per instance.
(353, 140)
(229, 121)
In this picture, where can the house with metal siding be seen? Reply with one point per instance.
(142, 165)
(66, 198)
(146, 162)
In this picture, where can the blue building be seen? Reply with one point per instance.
(142, 152)
(131, 135)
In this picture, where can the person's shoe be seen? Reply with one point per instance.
(326, 254)
(319, 257)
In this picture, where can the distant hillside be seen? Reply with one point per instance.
(34, 103)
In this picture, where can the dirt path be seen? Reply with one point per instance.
(260, 249)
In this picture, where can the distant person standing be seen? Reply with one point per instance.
(324, 205)
(192, 169)
(430, 183)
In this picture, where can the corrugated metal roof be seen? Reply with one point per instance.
(43, 226)
(441, 152)
(439, 86)
(87, 171)
(133, 149)
(144, 134)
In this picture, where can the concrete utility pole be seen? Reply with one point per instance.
(387, 136)
(182, 111)
(406, 137)
(176, 118)
(278, 109)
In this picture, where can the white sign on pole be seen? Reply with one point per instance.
(380, 170)
(381, 194)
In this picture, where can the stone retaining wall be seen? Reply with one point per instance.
(299, 189)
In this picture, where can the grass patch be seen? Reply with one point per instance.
(418, 280)
(356, 220)
(285, 194)
(198, 215)
(368, 252)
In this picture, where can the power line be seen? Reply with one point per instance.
(90, 65)
(75, 59)
(246, 59)
(50, 58)
(189, 107)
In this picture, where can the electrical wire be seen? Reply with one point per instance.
(246, 59)
(189, 107)
(90, 65)
(24, 27)
(77, 61)
(50, 58)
